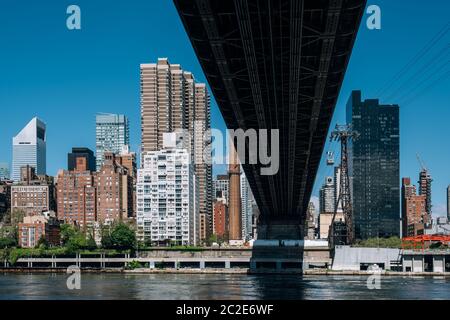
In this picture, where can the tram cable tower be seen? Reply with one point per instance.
(344, 236)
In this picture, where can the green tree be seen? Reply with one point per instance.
(16, 217)
(8, 236)
(212, 239)
(42, 243)
(392, 242)
(106, 236)
(7, 243)
(75, 240)
(123, 237)
(6, 218)
(90, 243)
(67, 232)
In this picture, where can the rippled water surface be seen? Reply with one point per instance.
(216, 286)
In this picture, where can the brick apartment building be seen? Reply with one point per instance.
(86, 197)
(76, 195)
(114, 190)
(33, 228)
(32, 194)
(220, 219)
(414, 210)
(5, 196)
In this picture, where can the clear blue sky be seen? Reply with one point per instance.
(65, 77)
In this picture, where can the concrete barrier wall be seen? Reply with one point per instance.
(350, 259)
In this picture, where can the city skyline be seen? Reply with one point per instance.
(119, 91)
(199, 151)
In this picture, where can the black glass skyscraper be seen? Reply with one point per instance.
(374, 167)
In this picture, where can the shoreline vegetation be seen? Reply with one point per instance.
(116, 239)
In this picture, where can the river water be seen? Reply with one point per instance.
(219, 286)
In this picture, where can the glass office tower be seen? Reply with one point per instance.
(112, 134)
(29, 148)
(374, 167)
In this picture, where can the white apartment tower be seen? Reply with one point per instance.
(246, 207)
(29, 148)
(166, 198)
(327, 194)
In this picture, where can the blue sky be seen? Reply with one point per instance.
(66, 77)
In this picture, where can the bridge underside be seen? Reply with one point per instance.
(276, 64)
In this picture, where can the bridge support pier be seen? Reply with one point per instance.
(279, 248)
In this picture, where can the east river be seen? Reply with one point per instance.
(219, 286)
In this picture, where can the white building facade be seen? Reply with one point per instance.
(246, 207)
(221, 188)
(327, 196)
(166, 198)
(29, 148)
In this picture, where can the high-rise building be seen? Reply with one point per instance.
(86, 197)
(425, 181)
(202, 164)
(4, 171)
(374, 167)
(172, 101)
(220, 220)
(114, 187)
(325, 220)
(337, 183)
(235, 211)
(127, 159)
(326, 196)
(221, 186)
(33, 194)
(414, 215)
(86, 153)
(246, 208)
(27, 174)
(112, 133)
(166, 199)
(310, 225)
(327, 204)
(31, 199)
(29, 148)
(77, 195)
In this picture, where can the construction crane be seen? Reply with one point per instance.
(343, 134)
(422, 165)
